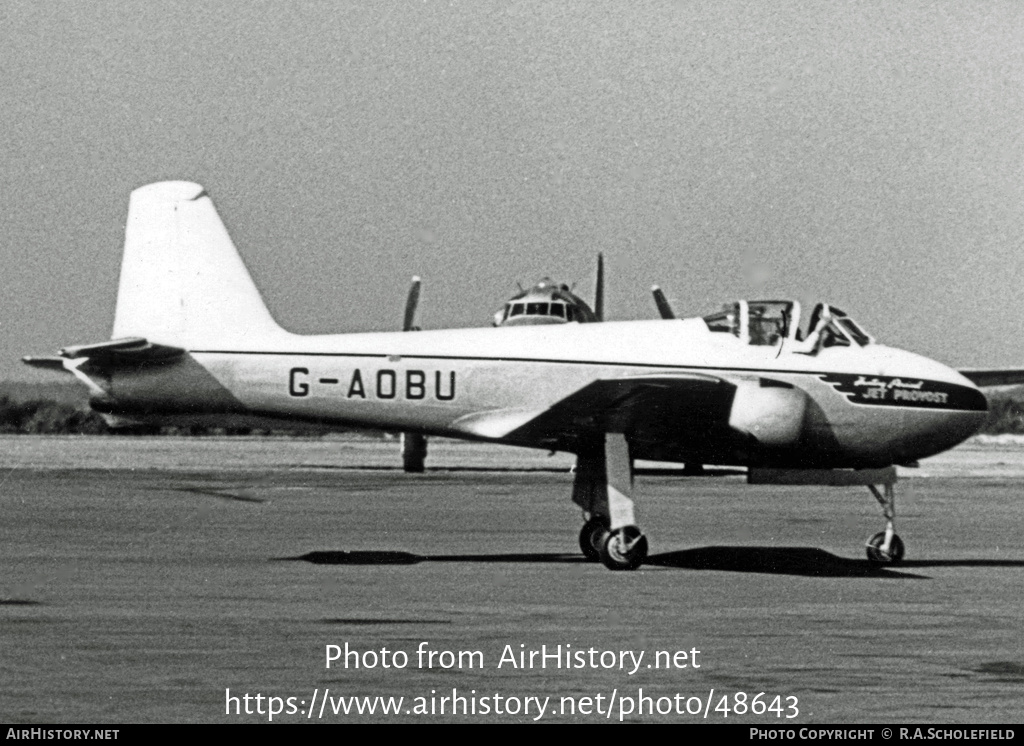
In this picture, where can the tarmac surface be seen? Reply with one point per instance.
(155, 579)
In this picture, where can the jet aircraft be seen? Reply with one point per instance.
(822, 404)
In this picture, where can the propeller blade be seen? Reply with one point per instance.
(599, 289)
(664, 307)
(409, 323)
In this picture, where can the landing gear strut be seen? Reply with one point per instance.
(604, 481)
(885, 547)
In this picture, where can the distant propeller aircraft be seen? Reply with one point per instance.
(748, 386)
(546, 302)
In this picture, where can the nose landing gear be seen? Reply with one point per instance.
(885, 547)
(882, 552)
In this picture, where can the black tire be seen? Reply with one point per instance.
(876, 555)
(592, 537)
(613, 552)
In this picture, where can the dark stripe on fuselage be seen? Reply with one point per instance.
(929, 394)
(896, 391)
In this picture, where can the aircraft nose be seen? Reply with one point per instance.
(948, 410)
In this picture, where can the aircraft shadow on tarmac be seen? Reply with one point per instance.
(222, 494)
(805, 561)
(408, 558)
(440, 470)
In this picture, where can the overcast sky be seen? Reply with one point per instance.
(867, 154)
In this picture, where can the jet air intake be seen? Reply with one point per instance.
(770, 411)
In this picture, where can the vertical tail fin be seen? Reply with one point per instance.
(182, 280)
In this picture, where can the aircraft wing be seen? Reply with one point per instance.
(657, 406)
(127, 352)
(994, 376)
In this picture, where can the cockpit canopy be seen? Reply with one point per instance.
(545, 303)
(771, 323)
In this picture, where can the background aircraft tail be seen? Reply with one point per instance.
(182, 280)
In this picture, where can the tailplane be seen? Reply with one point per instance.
(182, 280)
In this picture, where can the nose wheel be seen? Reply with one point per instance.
(885, 547)
(880, 554)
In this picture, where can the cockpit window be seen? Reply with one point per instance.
(834, 335)
(517, 309)
(558, 309)
(769, 322)
(727, 321)
(838, 329)
(857, 334)
(775, 324)
(537, 309)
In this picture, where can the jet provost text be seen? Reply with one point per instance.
(902, 392)
(378, 384)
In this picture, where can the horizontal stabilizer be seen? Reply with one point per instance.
(47, 363)
(133, 348)
(127, 352)
(994, 376)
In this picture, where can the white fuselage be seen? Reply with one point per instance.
(481, 383)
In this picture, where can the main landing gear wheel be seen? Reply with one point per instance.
(592, 537)
(624, 549)
(875, 553)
